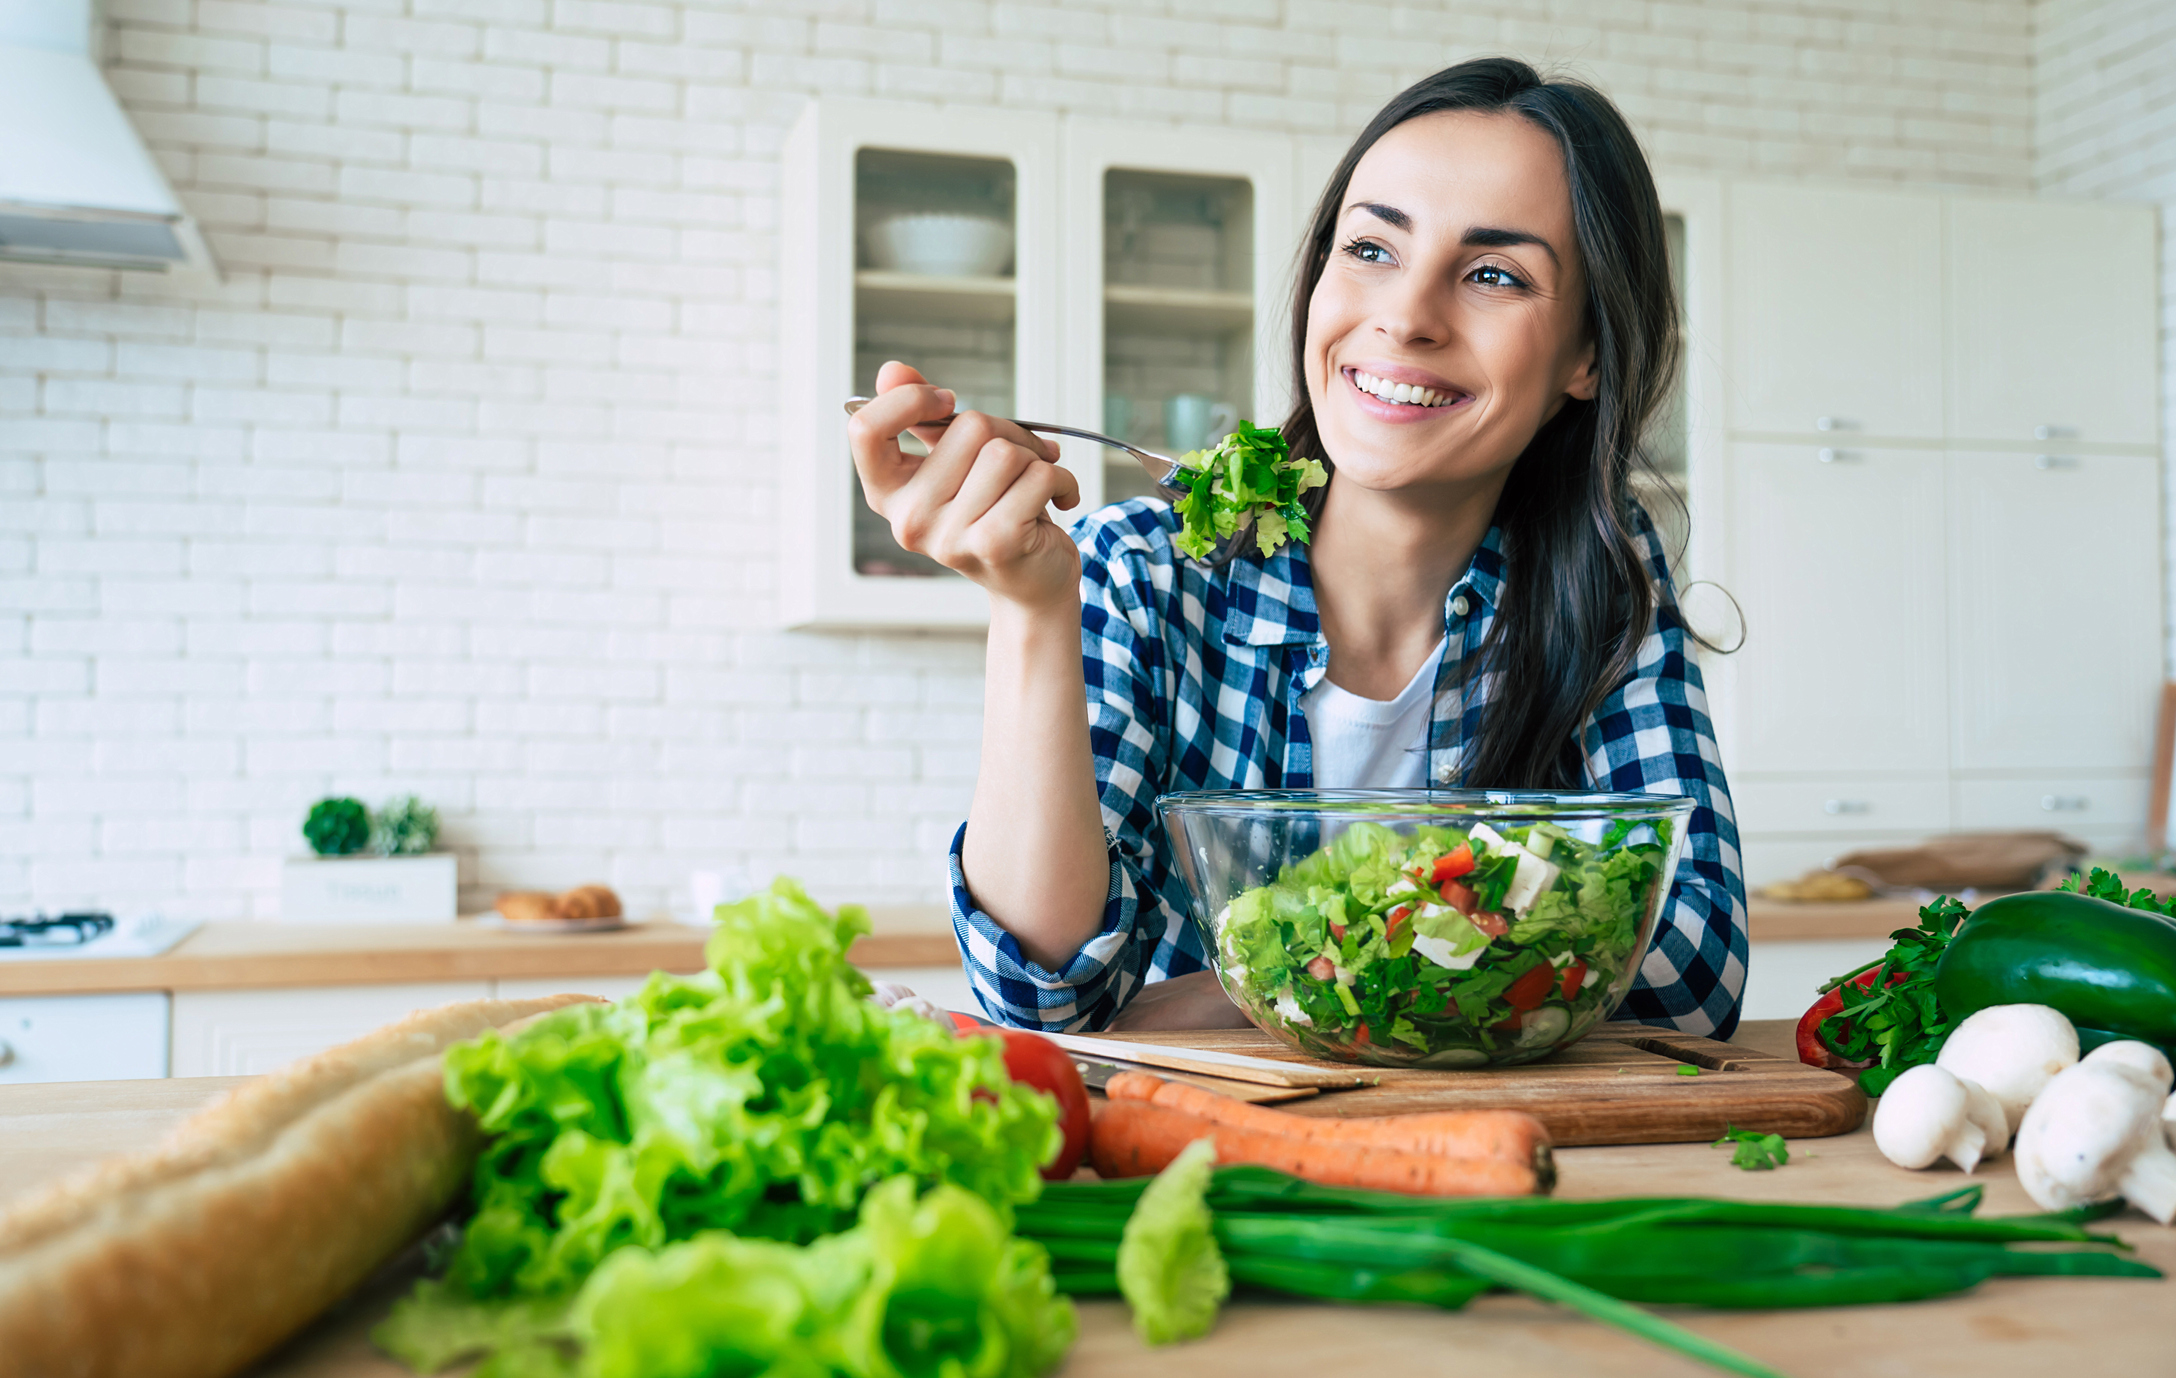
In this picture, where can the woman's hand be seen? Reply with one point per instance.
(975, 503)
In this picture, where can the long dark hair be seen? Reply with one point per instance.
(1578, 597)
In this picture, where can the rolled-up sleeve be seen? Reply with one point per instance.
(1145, 934)
(1653, 736)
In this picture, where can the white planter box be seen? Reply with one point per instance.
(391, 889)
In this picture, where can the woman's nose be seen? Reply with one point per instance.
(1413, 311)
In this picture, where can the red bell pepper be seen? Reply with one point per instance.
(1452, 865)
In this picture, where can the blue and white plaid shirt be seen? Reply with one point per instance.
(1194, 682)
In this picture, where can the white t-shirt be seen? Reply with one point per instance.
(1367, 743)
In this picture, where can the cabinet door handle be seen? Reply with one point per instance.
(2054, 462)
(1833, 423)
(2054, 432)
(1836, 806)
(7, 1053)
(1829, 456)
(2065, 803)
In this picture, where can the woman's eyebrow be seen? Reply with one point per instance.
(1389, 215)
(1485, 237)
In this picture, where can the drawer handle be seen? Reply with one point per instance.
(1829, 456)
(1833, 423)
(1835, 806)
(2065, 803)
(2052, 432)
(2054, 462)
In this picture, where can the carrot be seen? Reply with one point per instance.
(1133, 1138)
(1509, 1134)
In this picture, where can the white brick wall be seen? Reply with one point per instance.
(2104, 125)
(461, 483)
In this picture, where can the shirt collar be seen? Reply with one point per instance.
(1272, 602)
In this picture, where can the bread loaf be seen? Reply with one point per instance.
(195, 1257)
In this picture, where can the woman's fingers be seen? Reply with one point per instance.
(872, 434)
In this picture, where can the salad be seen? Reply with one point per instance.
(1444, 946)
(1250, 474)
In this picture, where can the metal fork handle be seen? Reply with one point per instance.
(1161, 468)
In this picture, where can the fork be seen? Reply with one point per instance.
(1162, 468)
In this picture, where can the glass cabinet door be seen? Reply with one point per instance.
(933, 285)
(1178, 315)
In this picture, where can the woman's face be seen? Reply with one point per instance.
(1449, 323)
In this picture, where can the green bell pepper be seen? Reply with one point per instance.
(2110, 970)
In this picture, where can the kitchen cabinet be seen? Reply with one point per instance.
(1150, 268)
(2052, 321)
(1835, 310)
(1838, 568)
(105, 1037)
(2054, 574)
(227, 1033)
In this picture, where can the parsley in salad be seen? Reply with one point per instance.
(1249, 475)
(1444, 947)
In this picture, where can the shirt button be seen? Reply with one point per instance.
(1443, 774)
(1459, 605)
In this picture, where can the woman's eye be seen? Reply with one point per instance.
(1489, 275)
(1368, 251)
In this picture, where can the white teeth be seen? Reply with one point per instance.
(1409, 393)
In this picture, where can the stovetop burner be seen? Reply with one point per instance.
(62, 930)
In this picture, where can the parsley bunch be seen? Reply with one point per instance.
(2107, 885)
(1895, 1021)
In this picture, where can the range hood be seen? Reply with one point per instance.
(76, 184)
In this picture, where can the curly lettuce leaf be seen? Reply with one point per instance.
(764, 1097)
(1169, 1267)
(1249, 476)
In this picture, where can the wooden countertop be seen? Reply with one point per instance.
(230, 956)
(2021, 1326)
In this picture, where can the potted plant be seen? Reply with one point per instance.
(370, 866)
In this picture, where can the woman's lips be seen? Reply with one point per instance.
(1385, 409)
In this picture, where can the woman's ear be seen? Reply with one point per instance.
(1585, 381)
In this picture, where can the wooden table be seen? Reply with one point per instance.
(2021, 1326)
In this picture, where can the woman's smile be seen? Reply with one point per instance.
(1402, 395)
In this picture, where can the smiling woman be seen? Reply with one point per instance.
(1483, 330)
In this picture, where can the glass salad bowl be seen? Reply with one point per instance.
(1426, 927)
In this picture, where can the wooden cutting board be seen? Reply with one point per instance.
(1618, 1085)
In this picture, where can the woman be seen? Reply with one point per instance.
(1482, 328)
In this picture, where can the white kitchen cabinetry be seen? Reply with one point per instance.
(1041, 337)
(2052, 322)
(1835, 310)
(1839, 570)
(112, 1037)
(226, 1033)
(2054, 575)
(1953, 596)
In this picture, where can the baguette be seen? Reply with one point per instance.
(195, 1257)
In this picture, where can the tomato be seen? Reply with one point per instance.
(1453, 864)
(1491, 923)
(1322, 969)
(1033, 1060)
(1337, 931)
(1460, 897)
(1397, 916)
(1530, 990)
(1360, 1038)
(1575, 976)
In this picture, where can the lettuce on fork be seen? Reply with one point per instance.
(1249, 476)
(764, 1098)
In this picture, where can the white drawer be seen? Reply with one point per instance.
(1917, 807)
(228, 1033)
(1770, 859)
(83, 1037)
(2079, 804)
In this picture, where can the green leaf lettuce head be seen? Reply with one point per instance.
(764, 1096)
(1250, 475)
(1169, 1268)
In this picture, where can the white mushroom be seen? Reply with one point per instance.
(2011, 1050)
(2142, 1056)
(1928, 1113)
(2094, 1133)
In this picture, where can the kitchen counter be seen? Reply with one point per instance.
(2022, 1326)
(260, 955)
(242, 956)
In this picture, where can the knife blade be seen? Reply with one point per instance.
(1205, 1062)
(1097, 1074)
